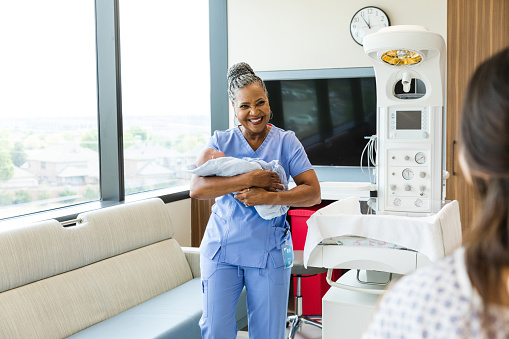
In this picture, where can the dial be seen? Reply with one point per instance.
(418, 203)
(420, 158)
(408, 174)
(367, 20)
(397, 202)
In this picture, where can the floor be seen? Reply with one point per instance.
(307, 332)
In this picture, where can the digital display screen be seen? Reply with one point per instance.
(408, 119)
(329, 116)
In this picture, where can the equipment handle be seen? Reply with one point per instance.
(348, 287)
(453, 157)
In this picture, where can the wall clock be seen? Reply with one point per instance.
(367, 20)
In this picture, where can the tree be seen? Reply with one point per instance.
(18, 154)
(91, 193)
(138, 131)
(189, 141)
(43, 195)
(90, 139)
(68, 193)
(5, 199)
(22, 197)
(6, 166)
(128, 139)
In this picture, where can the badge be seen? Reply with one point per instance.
(287, 251)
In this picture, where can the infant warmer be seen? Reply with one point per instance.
(409, 63)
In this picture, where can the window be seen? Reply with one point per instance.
(165, 89)
(68, 104)
(48, 135)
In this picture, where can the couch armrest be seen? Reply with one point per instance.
(193, 258)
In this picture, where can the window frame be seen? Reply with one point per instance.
(109, 106)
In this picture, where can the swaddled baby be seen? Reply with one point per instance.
(212, 162)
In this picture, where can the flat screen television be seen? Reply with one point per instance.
(330, 110)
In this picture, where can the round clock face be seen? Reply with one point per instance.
(367, 20)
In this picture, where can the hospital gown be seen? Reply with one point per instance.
(436, 302)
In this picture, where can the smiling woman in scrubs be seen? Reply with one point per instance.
(240, 248)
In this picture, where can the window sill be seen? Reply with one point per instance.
(168, 195)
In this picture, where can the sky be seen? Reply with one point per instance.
(48, 67)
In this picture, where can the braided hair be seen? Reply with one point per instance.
(241, 75)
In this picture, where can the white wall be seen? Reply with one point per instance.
(180, 212)
(314, 34)
(309, 34)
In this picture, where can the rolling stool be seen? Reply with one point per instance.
(298, 270)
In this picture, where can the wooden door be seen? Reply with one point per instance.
(475, 30)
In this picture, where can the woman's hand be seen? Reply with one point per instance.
(213, 187)
(252, 196)
(261, 181)
(267, 180)
(305, 194)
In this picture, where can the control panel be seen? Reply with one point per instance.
(408, 180)
(409, 169)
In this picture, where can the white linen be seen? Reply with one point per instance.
(435, 236)
(230, 166)
(223, 167)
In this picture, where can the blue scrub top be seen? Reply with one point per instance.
(236, 234)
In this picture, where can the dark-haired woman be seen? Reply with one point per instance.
(239, 248)
(466, 295)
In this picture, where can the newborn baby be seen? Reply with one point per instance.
(208, 154)
(212, 162)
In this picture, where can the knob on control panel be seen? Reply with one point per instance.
(393, 187)
(418, 203)
(397, 202)
(408, 187)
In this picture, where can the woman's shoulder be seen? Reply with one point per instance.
(229, 131)
(221, 136)
(286, 136)
(282, 132)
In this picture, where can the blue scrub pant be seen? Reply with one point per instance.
(267, 299)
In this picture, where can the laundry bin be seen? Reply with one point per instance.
(313, 288)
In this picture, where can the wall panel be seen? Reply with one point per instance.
(475, 31)
(200, 213)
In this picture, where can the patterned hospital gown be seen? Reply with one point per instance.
(436, 302)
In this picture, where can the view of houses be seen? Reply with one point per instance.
(62, 170)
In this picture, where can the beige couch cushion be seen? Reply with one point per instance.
(36, 252)
(44, 249)
(110, 231)
(64, 304)
(56, 281)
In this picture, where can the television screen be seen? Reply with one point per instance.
(330, 116)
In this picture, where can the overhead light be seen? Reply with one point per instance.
(401, 57)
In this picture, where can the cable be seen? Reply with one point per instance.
(371, 156)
